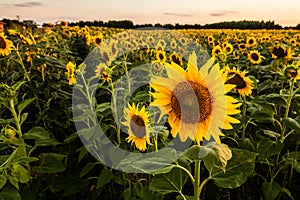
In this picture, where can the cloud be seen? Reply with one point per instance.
(27, 4)
(222, 13)
(178, 14)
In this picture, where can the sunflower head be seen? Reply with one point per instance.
(292, 72)
(137, 121)
(5, 45)
(243, 84)
(191, 98)
(254, 57)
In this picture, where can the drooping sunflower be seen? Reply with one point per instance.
(5, 45)
(195, 100)
(292, 72)
(174, 57)
(244, 85)
(280, 52)
(137, 121)
(254, 57)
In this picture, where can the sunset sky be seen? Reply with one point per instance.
(285, 12)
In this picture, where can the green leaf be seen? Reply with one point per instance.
(105, 176)
(21, 173)
(238, 168)
(87, 168)
(69, 185)
(13, 180)
(271, 134)
(3, 180)
(9, 193)
(292, 124)
(170, 182)
(50, 164)
(37, 133)
(293, 159)
(287, 192)
(83, 152)
(148, 163)
(17, 85)
(267, 148)
(271, 190)
(103, 107)
(263, 116)
(21, 106)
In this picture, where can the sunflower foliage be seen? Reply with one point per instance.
(77, 101)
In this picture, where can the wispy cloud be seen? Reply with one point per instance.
(178, 14)
(222, 13)
(27, 4)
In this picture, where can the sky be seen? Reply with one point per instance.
(283, 12)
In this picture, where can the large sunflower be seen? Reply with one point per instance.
(195, 100)
(244, 85)
(5, 45)
(137, 122)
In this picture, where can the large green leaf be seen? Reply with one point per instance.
(291, 123)
(51, 163)
(238, 168)
(104, 178)
(271, 190)
(267, 148)
(3, 180)
(170, 182)
(10, 193)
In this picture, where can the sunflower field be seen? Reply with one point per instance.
(106, 113)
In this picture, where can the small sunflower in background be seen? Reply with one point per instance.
(161, 56)
(243, 84)
(195, 100)
(71, 69)
(251, 41)
(216, 50)
(228, 48)
(174, 57)
(254, 57)
(5, 45)
(137, 121)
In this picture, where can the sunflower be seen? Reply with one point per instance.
(280, 52)
(251, 41)
(228, 48)
(71, 67)
(243, 84)
(254, 57)
(195, 100)
(216, 50)
(242, 47)
(174, 57)
(5, 45)
(161, 56)
(292, 73)
(173, 44)
(137, 122)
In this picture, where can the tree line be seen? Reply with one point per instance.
(127, 24)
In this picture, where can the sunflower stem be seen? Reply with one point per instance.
(286, 114)
(20, 61)
(197, 180)
(244, 114)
